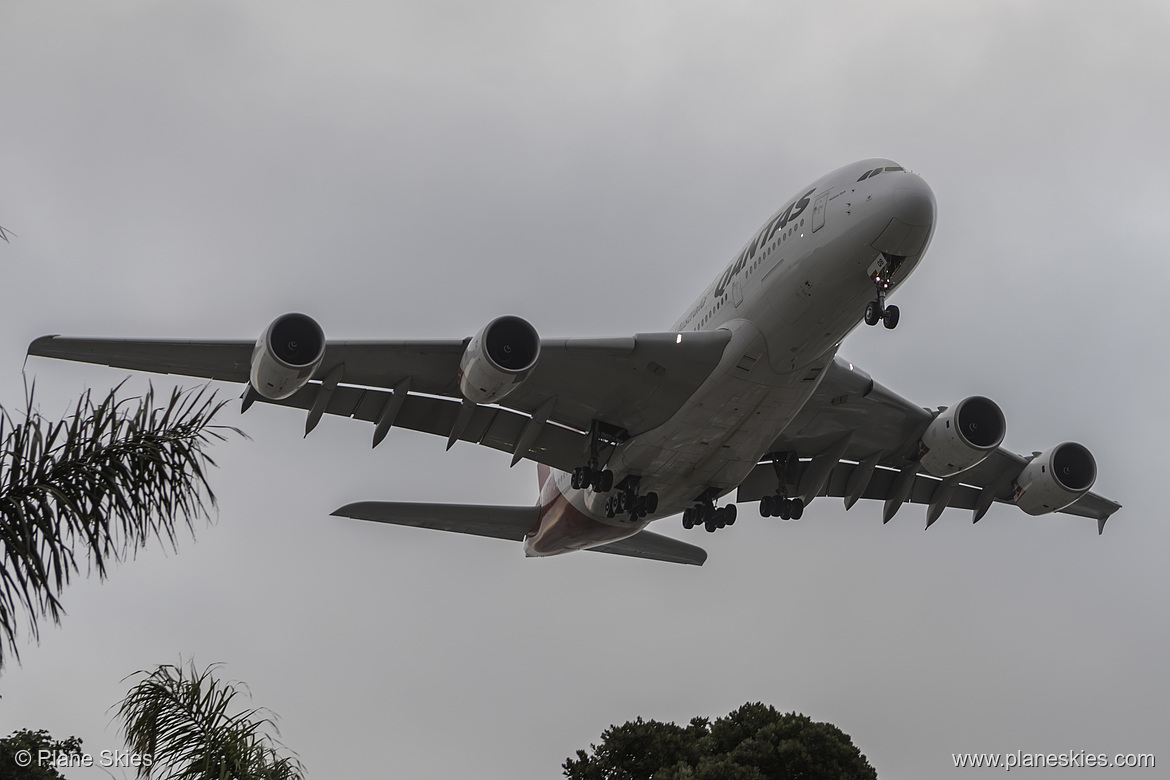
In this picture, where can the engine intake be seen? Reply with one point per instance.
(498, 359)
(1056, 478)
(962, 436)
(287, 355)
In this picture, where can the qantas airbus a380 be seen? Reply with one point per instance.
(745, 392)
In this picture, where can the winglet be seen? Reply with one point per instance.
(37, 347)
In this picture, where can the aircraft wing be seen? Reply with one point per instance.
(511, 522)
(632, 384)
(852, 422)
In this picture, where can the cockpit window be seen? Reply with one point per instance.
(876, 171)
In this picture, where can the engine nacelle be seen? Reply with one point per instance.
(962, 436)
(288, 353)
(1054, 479)
(498, 359)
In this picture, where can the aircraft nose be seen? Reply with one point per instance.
(914, 201)
(910, 217)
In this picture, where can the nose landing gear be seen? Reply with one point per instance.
(881, 272)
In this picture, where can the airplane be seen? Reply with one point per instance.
(744, 393)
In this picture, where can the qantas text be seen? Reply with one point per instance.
(793, 211)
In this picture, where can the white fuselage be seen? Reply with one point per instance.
(789, 298)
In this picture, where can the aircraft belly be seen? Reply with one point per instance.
(718, 437)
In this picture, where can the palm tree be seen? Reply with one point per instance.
(98, 484)
(185, 720)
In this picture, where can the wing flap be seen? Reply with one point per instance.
(489, 426)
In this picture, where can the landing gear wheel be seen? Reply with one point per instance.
(767, 505)
(575, 480)
(873, 313)
(609, 508)
(651, 503)
(890, 318)
(730, 512)
(604, 481)
(711, 524)
(689, 518)
(797, 508)
(785, 509)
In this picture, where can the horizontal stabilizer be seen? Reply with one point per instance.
(646, 544)
(499, 522)
(511, 522)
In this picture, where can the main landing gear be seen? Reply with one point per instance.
(782, 507)
(787, 468)
(627, 501)
(630, 503)
(705, 513)
(881, 272)
(592, 477)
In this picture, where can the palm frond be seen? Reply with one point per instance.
(188, 722)
(98, 485)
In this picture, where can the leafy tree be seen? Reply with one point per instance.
(755, 742)
(100, 484)
(186, 721)
(33, 741)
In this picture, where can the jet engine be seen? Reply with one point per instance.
(498, 359)
(962, 436)
(288, 353)
(1054, 479)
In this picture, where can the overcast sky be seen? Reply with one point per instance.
(411, 170)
